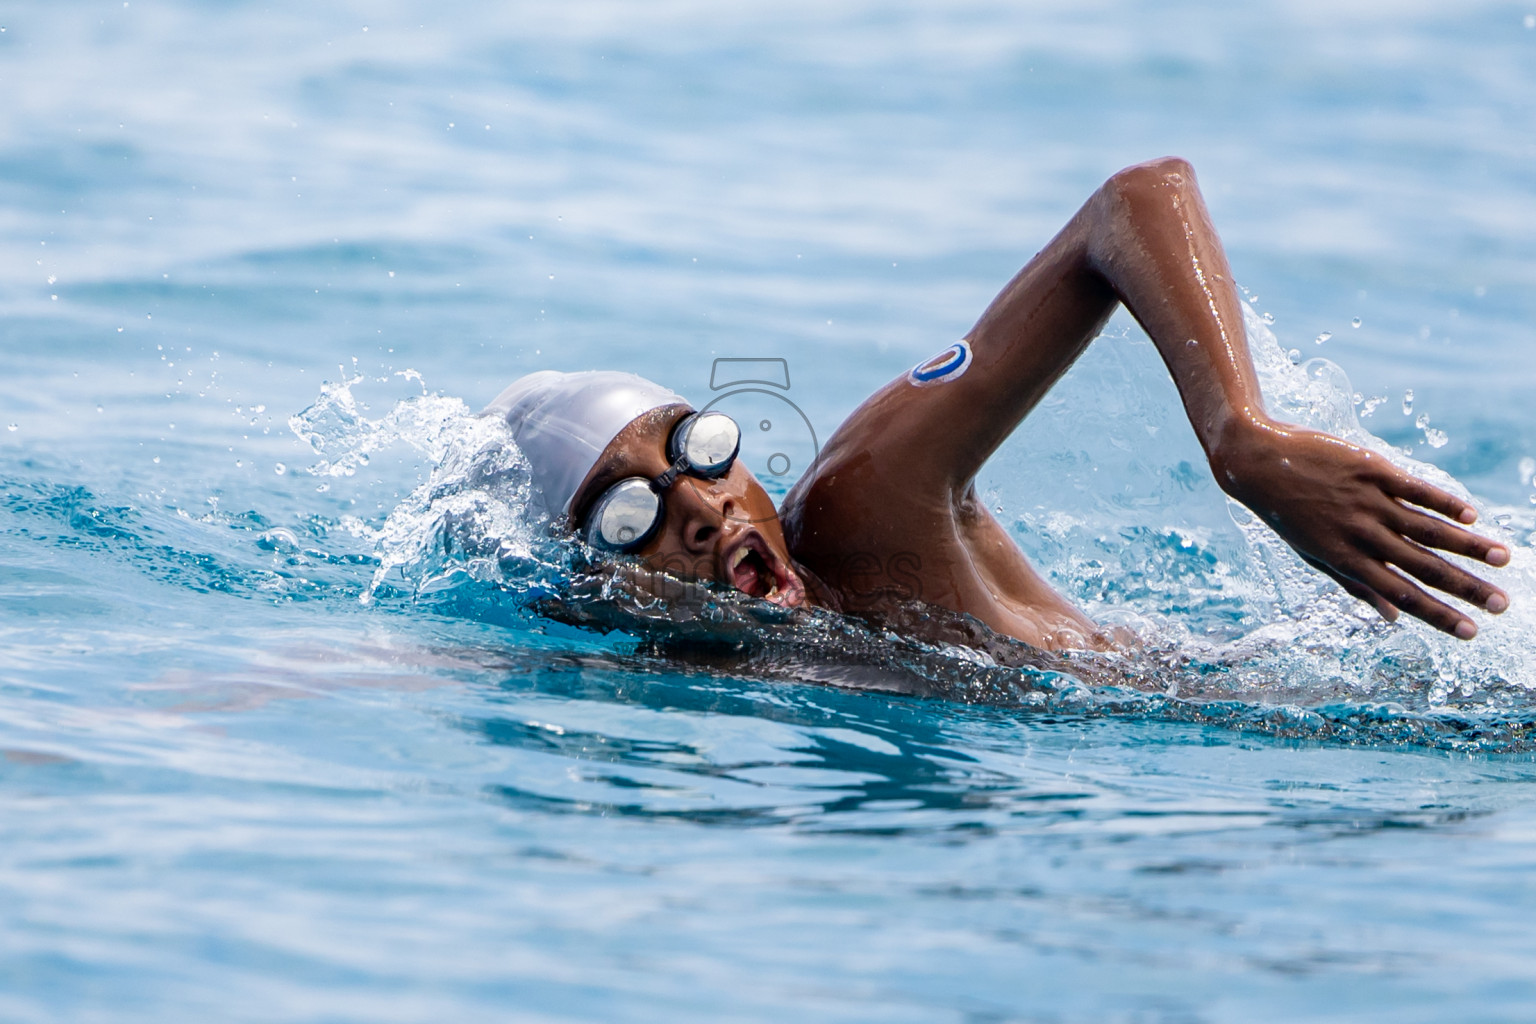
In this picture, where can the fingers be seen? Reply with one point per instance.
(1412, 489)
(1356, 590)
(1402, 593)
(1435, 571)
(1383, 607)
(1437, 533)
(1375, 582)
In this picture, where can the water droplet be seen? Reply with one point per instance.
(1408, 402)
(279, 469)
(100, 409)
(1371, 405)
(157, 460)
(13, 426)
(1435, 438)
(1323, 337)
(1295, 355)
(276, 539)
(1527, 469)
(239, 463)
(1268, 318)
(1530, 22)
(1355, 322)
(1357, 397)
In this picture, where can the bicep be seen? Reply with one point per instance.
(936, 424)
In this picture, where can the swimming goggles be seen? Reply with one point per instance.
(703, 444)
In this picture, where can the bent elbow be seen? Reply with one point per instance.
(1140, 179)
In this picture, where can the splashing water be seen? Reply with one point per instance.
(1303, 641)
(471, 521)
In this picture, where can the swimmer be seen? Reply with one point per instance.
(887, 517)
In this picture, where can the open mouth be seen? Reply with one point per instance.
(752, 568)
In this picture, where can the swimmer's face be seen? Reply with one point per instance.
(725, 530)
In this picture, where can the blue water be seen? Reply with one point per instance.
(282, 739)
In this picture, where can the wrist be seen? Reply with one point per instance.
(1239, 446)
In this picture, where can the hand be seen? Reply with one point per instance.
(1350, 513)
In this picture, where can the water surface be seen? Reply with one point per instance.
(270, 751)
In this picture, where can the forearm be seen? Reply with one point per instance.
(1148, 234)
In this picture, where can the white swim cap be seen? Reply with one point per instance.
(563, 421)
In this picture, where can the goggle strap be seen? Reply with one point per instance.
(662, 482)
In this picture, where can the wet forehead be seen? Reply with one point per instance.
(638, 450)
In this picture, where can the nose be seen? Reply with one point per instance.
(705, 514)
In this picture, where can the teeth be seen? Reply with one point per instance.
(739, 556)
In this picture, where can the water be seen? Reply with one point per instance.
(294, 734)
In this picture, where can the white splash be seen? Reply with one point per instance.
(1333, 639)
(470, 520)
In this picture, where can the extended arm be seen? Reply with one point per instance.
(1146, 239)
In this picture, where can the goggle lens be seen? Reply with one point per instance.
(624, 518)
(708, 442)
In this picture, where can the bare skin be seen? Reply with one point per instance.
(888, 514)
(725, 530)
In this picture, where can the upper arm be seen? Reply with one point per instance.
(933, 435)
(1144, 238)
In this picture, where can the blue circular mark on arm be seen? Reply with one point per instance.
(947, 365)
